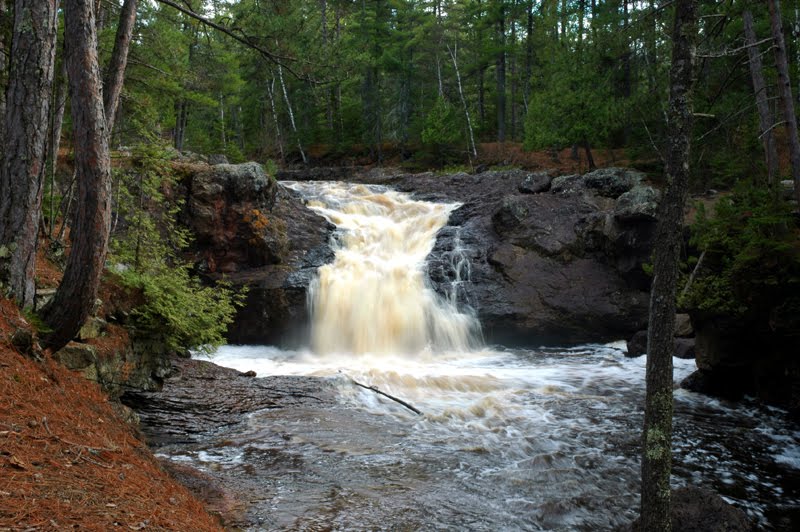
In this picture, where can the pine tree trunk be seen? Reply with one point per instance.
(657, 432)
(785, 90)
(89, 234)
(760, 90)
(3, 73)
(33, 51)
(115, 75)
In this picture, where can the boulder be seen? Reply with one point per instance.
(545, 268)
(637, 345)
(638, 203)
(755, 354)
(612, 182)
(684, 348)
(92, 328)
(567, 184)
(535, 183)
(217, 158)
(228, 210)
(76, 356)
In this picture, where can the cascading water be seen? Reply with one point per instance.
(374, 297)
(524, 439)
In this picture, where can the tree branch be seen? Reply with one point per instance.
(237, 35)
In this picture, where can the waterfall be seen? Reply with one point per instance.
(375, 296)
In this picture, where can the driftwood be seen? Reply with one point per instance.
(393, 398)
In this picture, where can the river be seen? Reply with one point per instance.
(507, 439)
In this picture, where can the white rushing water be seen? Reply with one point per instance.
(374, 297)
(508, 439)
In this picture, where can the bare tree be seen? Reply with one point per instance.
(32, 61)
(657, 431)
(92, 222)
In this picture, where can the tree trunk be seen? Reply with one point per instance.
(3, 71)
(514, 79)
(115, 75)
(760, 90)
(526, 89)
(33, 52)
(657, 432)
(89, 234)
(501, 76)
(454, 56)
(589, 159)
(291, 113)
(59, 106)
(785, 90)
(278, 135)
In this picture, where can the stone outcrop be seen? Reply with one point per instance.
(756, 357)
(552, 261)
(256, 234)
(550, 267)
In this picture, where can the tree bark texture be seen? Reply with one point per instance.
(115, 75)
(3, 69)
(760, 90)
(657, 432)
(27, 116)
(92, 222)
(785, 90)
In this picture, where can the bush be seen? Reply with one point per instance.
(752, 262)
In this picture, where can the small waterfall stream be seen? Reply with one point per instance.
(374, 297)
(509, 439)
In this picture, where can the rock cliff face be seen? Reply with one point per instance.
(552, 260)
(252, 232)
(560, 265)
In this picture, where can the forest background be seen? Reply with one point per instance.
(432, 83)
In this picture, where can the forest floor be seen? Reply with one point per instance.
(68, 457)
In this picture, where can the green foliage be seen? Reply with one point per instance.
(146, 252)
(441, 126)
(752, 247)
(179, 309)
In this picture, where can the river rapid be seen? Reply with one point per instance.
(507, 439)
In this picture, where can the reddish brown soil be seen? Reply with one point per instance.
(69, 461)
(47, 274)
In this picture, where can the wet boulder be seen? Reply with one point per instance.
(544, 268)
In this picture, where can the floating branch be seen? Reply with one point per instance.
(393, 398)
